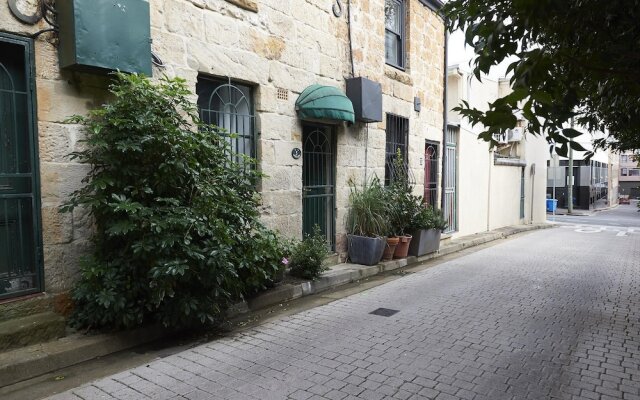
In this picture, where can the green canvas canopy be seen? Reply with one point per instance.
(324, 102)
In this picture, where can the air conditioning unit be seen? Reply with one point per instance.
(501, 138)
(514, 135)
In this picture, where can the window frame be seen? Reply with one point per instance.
(396, 137)
(248, 91)
(400, 35)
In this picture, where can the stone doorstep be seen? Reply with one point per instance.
(32, 329)
(29, 362)
(35, 360)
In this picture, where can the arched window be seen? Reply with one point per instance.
(229, 106)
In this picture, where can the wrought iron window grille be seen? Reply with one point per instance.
(228, 106)
(397, 150)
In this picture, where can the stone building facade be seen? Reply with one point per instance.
(268, 52)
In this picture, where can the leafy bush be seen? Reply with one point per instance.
(402, 204)
(429, 218)
(367, 214)
(308, 255)
(178, 236)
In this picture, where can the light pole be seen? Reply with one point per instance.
(555, 166)
(570, 177)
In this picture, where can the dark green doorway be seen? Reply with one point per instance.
(20, 249)
(318, 180)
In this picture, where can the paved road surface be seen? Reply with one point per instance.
(623, 215)
(552, 314)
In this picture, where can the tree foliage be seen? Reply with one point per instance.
(568, 59)
(178, 236)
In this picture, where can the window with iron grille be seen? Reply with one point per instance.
(394, 33)
(229, 105)
(397, 146)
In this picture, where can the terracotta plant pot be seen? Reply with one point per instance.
(402, 249)
(390, 248)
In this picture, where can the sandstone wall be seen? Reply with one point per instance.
(271, 45)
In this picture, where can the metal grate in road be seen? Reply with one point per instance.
(384, 312)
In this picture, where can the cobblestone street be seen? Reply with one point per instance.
(552, 314)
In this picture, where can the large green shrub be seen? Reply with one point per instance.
(177, 231)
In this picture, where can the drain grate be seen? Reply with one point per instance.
(384, 312)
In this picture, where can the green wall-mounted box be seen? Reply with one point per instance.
(105, 34)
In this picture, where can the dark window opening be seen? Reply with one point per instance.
(229, 105)
(397, 147)
(394, 33)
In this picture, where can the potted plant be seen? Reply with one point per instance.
(366, 223)
(390, 248)
(402, 206)
(426, 228)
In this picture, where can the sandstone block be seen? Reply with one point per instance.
(57, 227)
(184, 19)
(283, 153)
(250, 5)
(59, 181)
(282, 202)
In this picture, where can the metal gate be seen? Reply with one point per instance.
(431, 161)
(522, 192)
(318, 181)
(20, 241)
(451, 179)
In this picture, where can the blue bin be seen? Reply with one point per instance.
(552, 205)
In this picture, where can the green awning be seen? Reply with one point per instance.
(324, 102)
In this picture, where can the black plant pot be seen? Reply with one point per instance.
(424, 241)
(365, 250)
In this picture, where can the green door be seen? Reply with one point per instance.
(318, 180)
(20, 255)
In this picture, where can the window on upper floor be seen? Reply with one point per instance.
(624, 158)
(634, 172)
(394, 33)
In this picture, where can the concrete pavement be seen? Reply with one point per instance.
(624, 215)
(552, 314)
